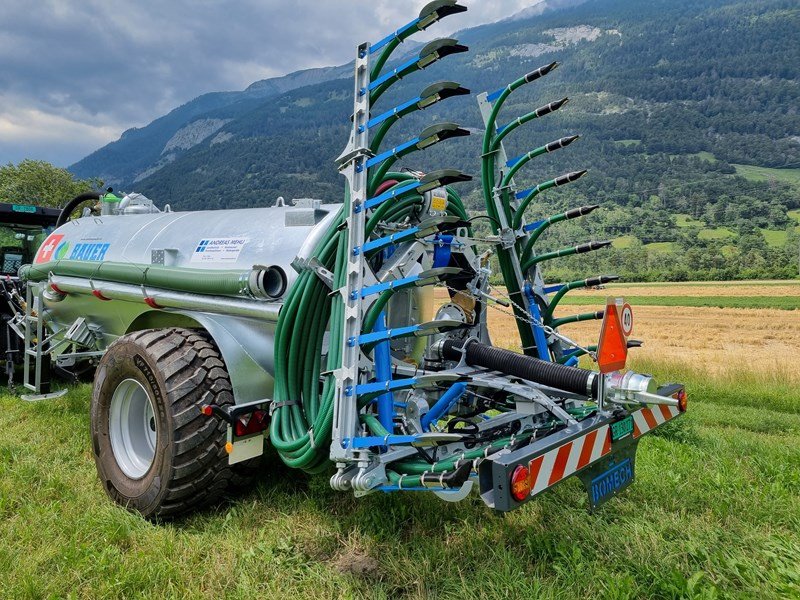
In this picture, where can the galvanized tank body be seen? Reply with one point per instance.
(210, 239)
(220, 239)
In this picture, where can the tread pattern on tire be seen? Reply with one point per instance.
(194, 374)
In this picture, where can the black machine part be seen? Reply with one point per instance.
(562, 377)
(70, 206)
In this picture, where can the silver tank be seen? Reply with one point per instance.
(237, 239)
(220, 239)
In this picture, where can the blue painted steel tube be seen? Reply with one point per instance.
(383, 372)
(444, 404)
(538, 332)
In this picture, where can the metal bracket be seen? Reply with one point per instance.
(352, 164)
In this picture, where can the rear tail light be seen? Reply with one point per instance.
(520, 483)
(682, 400)
(252, 423)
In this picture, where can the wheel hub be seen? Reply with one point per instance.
(132, 428)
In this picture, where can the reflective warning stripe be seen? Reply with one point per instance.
(561, 462)
(648, 418)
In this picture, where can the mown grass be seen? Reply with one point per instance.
(775, 238)
(753, 173)
(715, 512)
(778, 302)
(743, 282)
(715, 233)
(624, 241)
(684, 220)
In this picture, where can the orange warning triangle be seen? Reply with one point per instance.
(612, 351)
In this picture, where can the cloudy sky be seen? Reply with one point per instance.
(74, 74)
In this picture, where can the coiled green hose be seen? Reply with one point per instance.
(302, 424)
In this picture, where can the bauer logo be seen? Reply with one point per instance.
(218, 250)
(95, 251)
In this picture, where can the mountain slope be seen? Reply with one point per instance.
(140, 152)
(668, 95)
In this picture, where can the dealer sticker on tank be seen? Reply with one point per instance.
(218, 250)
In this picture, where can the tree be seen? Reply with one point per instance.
(42, 184)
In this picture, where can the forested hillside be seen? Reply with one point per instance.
(688, 112)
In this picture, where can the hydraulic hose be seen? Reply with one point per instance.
(73, 204)
(562, 377)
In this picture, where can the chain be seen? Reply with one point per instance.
(526, 317)
(546, 328)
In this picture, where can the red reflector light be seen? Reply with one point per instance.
(206, 410)
(252, 423)
(682, 400)
(520, 483)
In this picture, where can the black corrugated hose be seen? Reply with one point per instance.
(562, 377)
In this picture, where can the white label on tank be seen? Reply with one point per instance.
(218, 250)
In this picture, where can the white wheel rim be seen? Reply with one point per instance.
(132, 428)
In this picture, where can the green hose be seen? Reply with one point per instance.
(302, 424)
(301, 430)
(198, 281)
(488, 181)
(411, 471)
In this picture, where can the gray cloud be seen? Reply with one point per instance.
(75, 73)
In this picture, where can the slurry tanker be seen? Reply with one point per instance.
(350, 335)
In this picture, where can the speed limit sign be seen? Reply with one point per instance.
(626, 319)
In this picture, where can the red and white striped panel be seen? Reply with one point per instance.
(649, 418)
(559, 463)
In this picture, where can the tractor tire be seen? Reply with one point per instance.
(156, 454)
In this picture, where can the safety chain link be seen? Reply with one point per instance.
(526, 317)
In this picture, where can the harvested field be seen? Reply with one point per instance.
(748, 289)
(761, 342)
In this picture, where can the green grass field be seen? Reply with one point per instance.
(624, 241)
(774, 238)
(661, 247)
(715, 512)
(790, 176)
(720, 284)
(628, 143)
(684, 220)
(716, 233)
(779, 302)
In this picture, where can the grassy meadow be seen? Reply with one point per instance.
(715, 510)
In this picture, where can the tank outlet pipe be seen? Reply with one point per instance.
(554, 375)
(259, 282)
(267, 282)
(264, 311)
